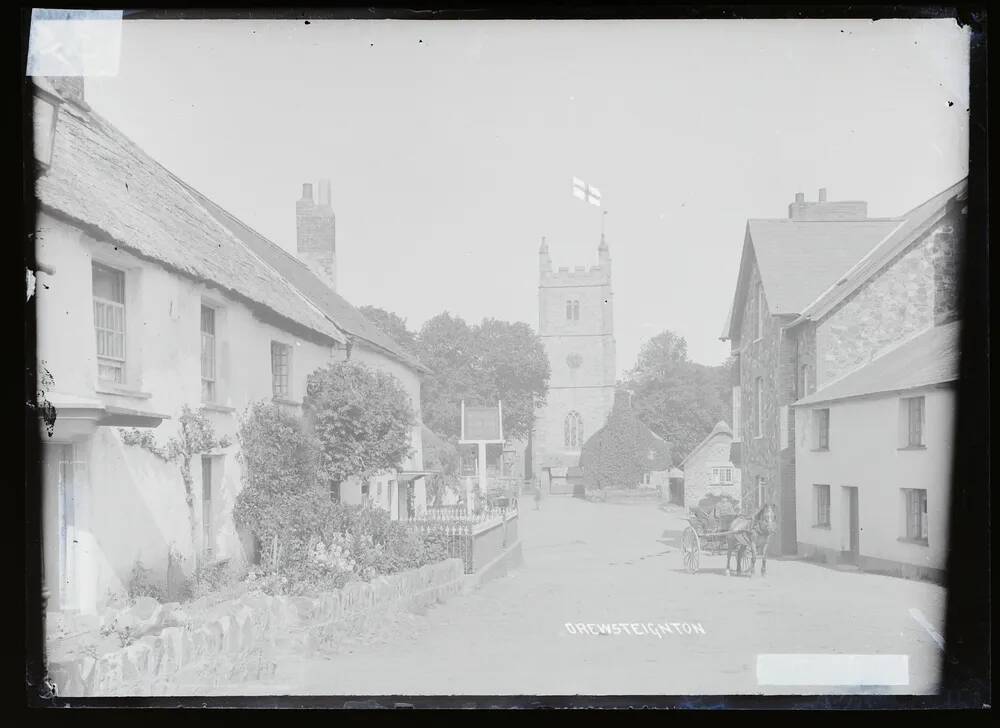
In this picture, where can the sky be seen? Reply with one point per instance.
(451, 145)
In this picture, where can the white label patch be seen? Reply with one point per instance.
(833, 670)
(74, 42)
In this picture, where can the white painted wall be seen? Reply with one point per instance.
(864, 453)
(133, 502)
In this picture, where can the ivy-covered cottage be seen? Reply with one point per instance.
(149, 299)
(796, 271)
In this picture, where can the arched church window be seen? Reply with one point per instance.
(573, 427)
(572, 310)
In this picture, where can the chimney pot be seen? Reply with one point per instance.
(822, 194)
(800, 197)
(307, 191)
(324, 193)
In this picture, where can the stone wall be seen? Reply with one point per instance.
(237, 643)
(767, 358)
(910, 294)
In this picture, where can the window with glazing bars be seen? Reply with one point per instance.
(109, 322)
(915, 421)
(822, 505)
(207, 354)
(916, 514)
(280, 356)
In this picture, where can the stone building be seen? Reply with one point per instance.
(708, 470)
(576, 326)
(150, 298)
(800, 265)
(874, 430)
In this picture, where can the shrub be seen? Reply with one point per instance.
(141, 583)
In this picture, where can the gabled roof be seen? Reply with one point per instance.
(799, 259)
(101, 182)
(916, 223)
(721, 428)
(297, 273)
(930, 358)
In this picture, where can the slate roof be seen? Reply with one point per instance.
(721, 428)
(103, 182)
(100, 181)
(801, 262)
(930, 358)
(297, 273)
(916, 223)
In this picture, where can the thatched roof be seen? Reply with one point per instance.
(100, 181)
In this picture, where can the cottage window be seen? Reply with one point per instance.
(914, 421)
(737, 422)
(822, 497)
(207, 354)
(821, 420)
(804, 386)
(109, 322)
(573, 430)
(759, 398)
(722, 475)
(916, 514)
(760, 311)
(281, 356)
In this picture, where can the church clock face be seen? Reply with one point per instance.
(574, 360)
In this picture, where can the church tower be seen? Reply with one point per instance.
(576, 325)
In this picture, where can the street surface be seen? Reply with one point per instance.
(588, 563)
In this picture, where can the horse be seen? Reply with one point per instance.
(754, 533)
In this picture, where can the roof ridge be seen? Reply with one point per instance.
(887, 351)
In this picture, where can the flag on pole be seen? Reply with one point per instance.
(593, 196)
(583, 191)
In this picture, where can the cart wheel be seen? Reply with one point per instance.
(745, 562)
(691, 548)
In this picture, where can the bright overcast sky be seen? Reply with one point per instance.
(451, 145)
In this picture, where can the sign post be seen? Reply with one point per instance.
(481, 426)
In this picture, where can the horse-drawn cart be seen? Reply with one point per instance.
(711, 533)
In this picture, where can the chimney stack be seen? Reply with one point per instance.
(69, 88)
(824, 210)
(316, 233)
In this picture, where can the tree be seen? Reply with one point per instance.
(362, 419)
(282, 503)
(617, 455)
(496, 360)
(680, 400)
(195, 437)
(446, 346)
(391, 325)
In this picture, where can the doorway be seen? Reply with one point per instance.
(60, 484)
(853, 525)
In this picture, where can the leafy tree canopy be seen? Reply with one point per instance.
(392, 325)
(362, 418)
(679, 399)
(494, 360)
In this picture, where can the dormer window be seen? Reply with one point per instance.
(46, 111)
